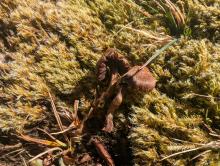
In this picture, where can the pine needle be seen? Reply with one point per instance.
(59, 122)
(41, 141)
(52, 137)
(43, 153)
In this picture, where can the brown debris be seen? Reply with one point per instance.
(68, 159)
(85, 158)
(100, 147)
(10, 147)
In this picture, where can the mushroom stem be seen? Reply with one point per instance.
(114, 77)
(116, 102)
(104, 95)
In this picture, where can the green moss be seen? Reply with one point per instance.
(188, 76)
(205, 16)
(55, 45)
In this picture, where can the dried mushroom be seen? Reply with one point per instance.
(111, 64)
(115, 68)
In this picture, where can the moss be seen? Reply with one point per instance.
(188, 89)
(55, 45)
(205, 16)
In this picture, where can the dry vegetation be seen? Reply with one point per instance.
(48, 56)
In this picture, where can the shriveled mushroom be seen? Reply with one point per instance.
(136, 78)
(139, 79)
(111, 64)
(114, 65)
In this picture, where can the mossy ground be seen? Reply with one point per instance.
(54, 45)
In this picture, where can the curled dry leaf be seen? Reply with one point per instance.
(140, 79)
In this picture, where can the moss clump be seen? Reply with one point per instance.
(205, 16)
(55, 45)
(188, 76)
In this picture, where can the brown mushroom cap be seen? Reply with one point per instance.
(142, 80)
(111, 62)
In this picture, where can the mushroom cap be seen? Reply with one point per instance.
(142, 80)
(111, 62)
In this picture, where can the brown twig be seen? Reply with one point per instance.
(76, 107)
(10, 147)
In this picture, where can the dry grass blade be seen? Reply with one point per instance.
(53, 138)
(64, 131)
(188, 142)
(103, 151)
(182, 152)
(176, 12)
(158, 52)
(213, 145)
(41, 141)
(59, 122)
(43, 153)
(134, 5)
(150, 35)
(169, 8)
(201, 154)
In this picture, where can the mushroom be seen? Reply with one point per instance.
(114, 65)
(139, 78)
(111, 63)
(136, 78)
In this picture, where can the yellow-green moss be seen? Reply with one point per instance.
(188, 84)
(55, 45)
